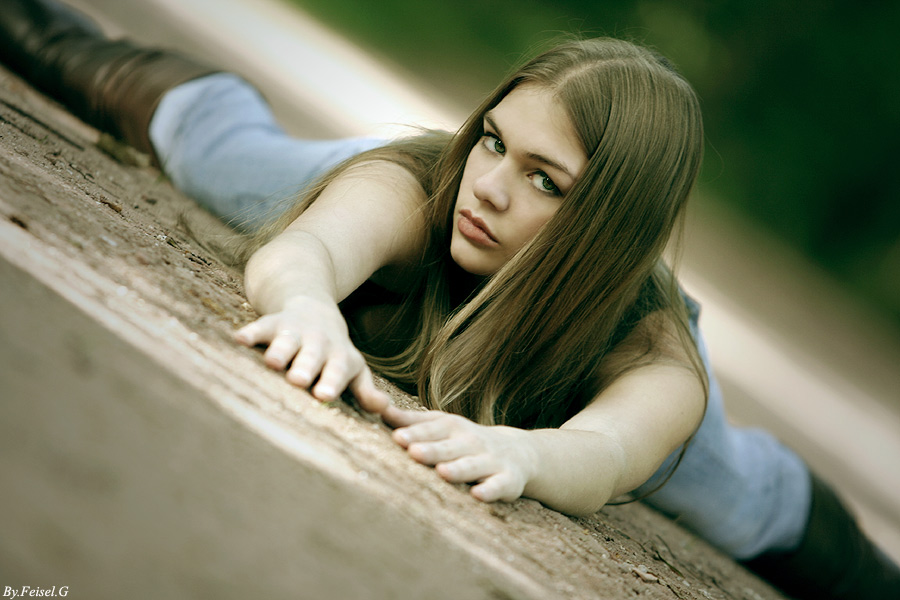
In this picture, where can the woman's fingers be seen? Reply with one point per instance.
(432, 453)
(336, 374)
(495, 482)
(316, 351)
(259, 331)
(462, 451)
(282, 343)
(468, 468)
(501, 486)
(307, 364)
(398, 417)
(282, 350)
(426, 430)
(370, 397)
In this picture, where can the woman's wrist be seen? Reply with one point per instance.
(308, 300)
(575, 472)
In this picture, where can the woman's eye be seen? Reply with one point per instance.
(542, 182)
(493, 143)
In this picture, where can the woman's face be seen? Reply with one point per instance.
(527, 159)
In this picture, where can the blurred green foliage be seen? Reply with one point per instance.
(801, 99)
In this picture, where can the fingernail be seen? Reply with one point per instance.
(299, 377)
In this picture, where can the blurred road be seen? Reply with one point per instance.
(794, 354)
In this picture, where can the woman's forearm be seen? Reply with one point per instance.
(618, 441)
(294, 264)
(366, 219)
(609, 448)
(575, 472)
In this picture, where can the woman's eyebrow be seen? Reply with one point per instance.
(532, 155)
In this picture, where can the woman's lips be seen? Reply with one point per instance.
(475, 230)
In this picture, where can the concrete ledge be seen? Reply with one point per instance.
(125, 479)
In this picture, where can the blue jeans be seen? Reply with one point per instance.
(738, 488)
(216, 139)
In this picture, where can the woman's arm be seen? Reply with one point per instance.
(367, 219)
(609, 448)
(619, 440)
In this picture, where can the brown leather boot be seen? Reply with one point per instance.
(113, 85)
(835, 560)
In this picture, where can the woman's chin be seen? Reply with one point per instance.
(473, 264)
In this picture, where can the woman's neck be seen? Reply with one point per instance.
(463, 285)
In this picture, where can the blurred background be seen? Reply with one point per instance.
(801, 101)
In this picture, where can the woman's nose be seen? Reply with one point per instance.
(492, 187)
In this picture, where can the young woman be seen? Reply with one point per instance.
(510, 274)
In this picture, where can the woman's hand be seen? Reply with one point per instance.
(368, 217)
(498, 459)
(310, 339)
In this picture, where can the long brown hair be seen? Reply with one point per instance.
(533, 343)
